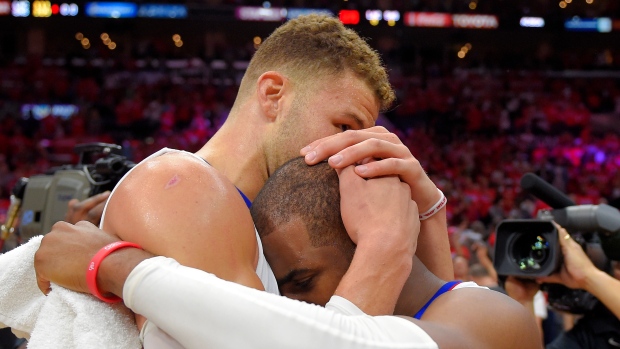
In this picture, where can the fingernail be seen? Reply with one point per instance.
(336, 159)
(306, 149)
(361, 169)
(310, 156)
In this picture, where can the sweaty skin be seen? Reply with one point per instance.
(309, 269)
(275, 116)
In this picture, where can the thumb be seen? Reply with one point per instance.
(44, 285)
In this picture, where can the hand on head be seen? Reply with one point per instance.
(378, 210)
(393, 158)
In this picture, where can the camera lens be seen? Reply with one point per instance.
(530, 252)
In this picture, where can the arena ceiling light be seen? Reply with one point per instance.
(374, 16)
(391, 17)
(20, 8)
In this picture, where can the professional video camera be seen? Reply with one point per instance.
(530, 248)
(42, 199)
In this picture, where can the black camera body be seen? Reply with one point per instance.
(45, 196)
(527, 248)
(530, 248)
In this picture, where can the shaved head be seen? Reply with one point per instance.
(310, 193)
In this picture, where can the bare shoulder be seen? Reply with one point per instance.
(174, 184)
(172, 170)
(179, 206)
(480, 318)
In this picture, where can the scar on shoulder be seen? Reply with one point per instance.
(172, 182)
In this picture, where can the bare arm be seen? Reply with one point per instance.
(381, 219)
(173, 205)
(184, 301)
(178, 206)
(605, 288)
(482, 252)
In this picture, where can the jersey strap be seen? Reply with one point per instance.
(245, 198)
(248, 203)
(448, 286)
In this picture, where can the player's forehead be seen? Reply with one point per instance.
(346, 95)
(287, 241)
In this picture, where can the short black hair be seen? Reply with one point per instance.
(311, 193)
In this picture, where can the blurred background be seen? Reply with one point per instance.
(487, 89)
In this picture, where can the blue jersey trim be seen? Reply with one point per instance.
(445, 288)
(248, 203)
(245, 198)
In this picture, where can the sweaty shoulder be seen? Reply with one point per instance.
(178, 206)
(480, 318)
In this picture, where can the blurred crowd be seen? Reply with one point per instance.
(476, 130)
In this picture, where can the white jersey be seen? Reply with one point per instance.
(263, 270)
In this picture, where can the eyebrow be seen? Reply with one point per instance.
(355, 118)
(291, 275)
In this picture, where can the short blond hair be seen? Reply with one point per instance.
(315, 46)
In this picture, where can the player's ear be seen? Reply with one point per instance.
(271, 87)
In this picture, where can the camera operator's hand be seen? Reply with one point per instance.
(576, 266)
(579, 272)
(90, 209)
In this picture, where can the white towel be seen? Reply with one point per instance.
(64, 319)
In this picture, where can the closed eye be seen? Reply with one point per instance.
(303, 285)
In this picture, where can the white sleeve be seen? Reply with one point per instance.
(154, 338)
(199, 310)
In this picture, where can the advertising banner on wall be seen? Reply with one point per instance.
(475, 21)
(428, 19)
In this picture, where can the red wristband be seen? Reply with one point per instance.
(93, 267)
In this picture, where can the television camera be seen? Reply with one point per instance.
(41, 200)
(529, 248)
